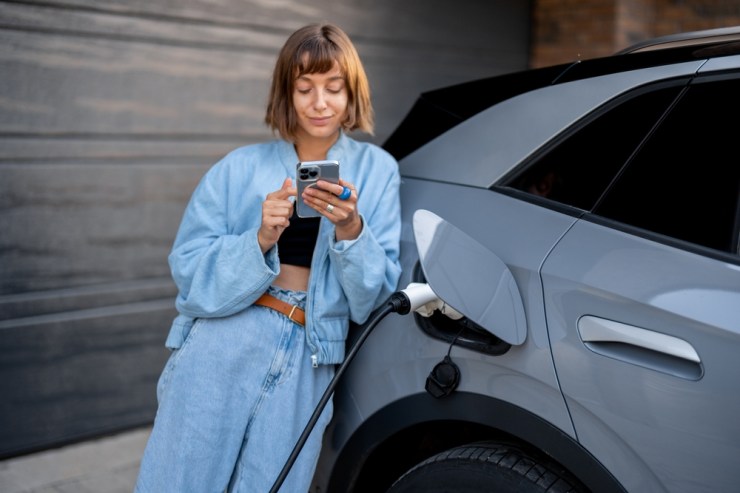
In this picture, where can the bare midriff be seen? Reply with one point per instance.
(292, 277)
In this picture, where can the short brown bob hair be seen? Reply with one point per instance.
(313, 49)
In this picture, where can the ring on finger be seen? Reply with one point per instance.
(346, 192)
(329, 208)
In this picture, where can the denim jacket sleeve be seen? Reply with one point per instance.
(368, 267)
(218, 272)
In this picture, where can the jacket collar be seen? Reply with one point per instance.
(290, 158)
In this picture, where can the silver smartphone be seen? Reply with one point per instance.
(307, 174)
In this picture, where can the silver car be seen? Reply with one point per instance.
(579, 227)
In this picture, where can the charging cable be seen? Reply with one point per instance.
(417, 297)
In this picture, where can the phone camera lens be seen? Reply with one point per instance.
(313, 173)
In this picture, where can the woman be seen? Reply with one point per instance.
(265, 298)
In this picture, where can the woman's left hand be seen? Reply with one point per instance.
(327, 199)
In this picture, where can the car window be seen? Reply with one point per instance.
(684, 181)
(667, 156)
(577, 168)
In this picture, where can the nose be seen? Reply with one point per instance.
(320, 102)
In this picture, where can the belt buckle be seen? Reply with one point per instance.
(292, 310)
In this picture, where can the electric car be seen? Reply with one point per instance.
(585, 334)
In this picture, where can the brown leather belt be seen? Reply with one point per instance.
(293, 312)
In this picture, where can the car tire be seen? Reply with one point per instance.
(485, 467)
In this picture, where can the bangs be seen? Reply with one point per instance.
(318, 57)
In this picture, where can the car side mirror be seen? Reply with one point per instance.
(469, 277)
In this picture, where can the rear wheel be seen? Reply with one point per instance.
(486, 467)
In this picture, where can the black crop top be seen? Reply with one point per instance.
(296, 244)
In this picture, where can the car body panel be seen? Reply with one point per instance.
(489, 297)
(645, 399)
(721, 63)
(523, 124)
(524, 376)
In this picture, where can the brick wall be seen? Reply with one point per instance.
(567, 30)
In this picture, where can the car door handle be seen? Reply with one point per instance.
(640, 346)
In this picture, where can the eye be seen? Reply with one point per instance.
(335, 88)
(303, 90)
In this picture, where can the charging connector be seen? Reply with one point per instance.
(422, 300)
(415, 295)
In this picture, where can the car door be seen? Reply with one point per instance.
(642, 299)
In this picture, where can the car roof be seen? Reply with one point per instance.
(480, 150)
(694, 39)
(437, 112)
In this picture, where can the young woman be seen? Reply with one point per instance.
(265, 298)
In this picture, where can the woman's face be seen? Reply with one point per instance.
(320, 102)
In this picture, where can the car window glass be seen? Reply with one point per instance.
(684, 181)
(577, 168)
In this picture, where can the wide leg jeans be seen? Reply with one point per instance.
(233, 401)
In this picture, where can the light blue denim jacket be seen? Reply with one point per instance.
(218, 266)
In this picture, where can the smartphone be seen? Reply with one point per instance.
(307, 174)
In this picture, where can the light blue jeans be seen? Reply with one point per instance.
(233, 401)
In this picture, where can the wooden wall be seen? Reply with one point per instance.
(110, 112)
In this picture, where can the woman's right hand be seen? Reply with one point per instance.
(276, 211)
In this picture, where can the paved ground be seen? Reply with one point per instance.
(104, 465)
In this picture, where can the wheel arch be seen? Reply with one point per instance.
(415, 427)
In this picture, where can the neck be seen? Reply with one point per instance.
(313, 149)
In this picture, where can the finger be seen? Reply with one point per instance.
(286, 190)
(318, 193)
(348, 191)
(316, 202)
(275, 207)
(288, 187)
(327, 191)
(347, 184)
(345, 194)
(278, 203)
(326, 186)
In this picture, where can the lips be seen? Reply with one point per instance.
(320, 122)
